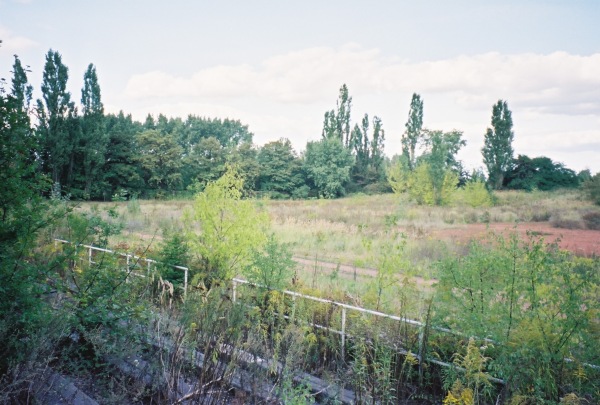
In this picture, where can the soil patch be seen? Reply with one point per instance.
(582, 242)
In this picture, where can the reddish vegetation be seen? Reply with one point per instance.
(582, 242)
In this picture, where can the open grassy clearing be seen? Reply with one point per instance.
(350, 230)
(340, 242)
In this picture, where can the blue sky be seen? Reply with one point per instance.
(277, 66)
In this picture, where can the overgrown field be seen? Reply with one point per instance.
(509, 317)
(349, 230)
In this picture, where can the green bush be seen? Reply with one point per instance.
(536, 302)
(173, 251)
(592, 188)
(475, 194)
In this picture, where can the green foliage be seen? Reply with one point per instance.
(231, 228)
(174, 250)
(497, 150)
(474, 194)
(160, 158)
(539, 173)
(58, 127)
(592, 188)
(280, 168)
(420, 184)
(435, 177)
(327, 164)
(22, 216)
(21, 89)
(94, 138)
(474, 384)
(534, 300)
(121, 169)
(390, 261)
(336, 124)
(413, 133)
(206, 163)
(272, 266)
(369, 164)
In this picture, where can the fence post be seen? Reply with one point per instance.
(420, 353)
(90, 255)
(127, 255)
(185, 283)
(234, 291)
(343, 333)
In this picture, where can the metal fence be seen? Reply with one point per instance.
(129, 258)
(345, 308)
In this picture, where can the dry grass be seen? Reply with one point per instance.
(339, 230)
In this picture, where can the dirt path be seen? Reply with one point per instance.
(324, 267)
(349, 271)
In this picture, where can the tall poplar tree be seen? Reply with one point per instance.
(94, 138)
(21, 89)
(56, 133)
(377, 143)
(497, 150)
(337, 122)
(414, 129)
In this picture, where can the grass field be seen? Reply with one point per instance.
(386, 253)
(352, 231)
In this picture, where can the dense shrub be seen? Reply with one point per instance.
(474, 194)
(592, 188)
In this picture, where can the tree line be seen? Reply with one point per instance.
(90, 154)
(429, 171)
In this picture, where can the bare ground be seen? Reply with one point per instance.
(582, 242)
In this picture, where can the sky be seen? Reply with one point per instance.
(277, 66)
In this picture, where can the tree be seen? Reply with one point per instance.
(21, 89)
(231, 228)
(377, 143)
(497, 150)
(22, 215)
(272, 266)
(57, 130)
(327, 164)
(337, 122)
(413, 133)
(435, 176)
(539, 173)
(160, 157)
(443, 167)
(229, 133)
(592, 188)
(281, 169)
(206, 162)
(94, 137)
(121, 170)
(244, 158)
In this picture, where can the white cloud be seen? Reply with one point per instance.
(553, 83)
(554, 97)
(14, 44)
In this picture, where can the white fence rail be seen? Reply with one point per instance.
(129, 258)
(344, 308)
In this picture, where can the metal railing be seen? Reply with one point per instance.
(344, 313)
(344, 309)
(128, 257)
